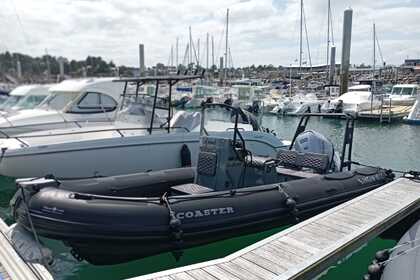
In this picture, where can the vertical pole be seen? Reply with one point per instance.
(141, 60)
(172, 55)
(154, 107)
(332, 65)
(19, 69)
(212, 51)
(207, 51)
(227, 42)
(290, 83)
(191, 47)
(300, 36)
(373, 69)
(176, 53)
(345, 53)
(328, 32)
(221, 70)
(198, 52)
(169, 105)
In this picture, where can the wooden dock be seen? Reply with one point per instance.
(13, 267)
(312, 246)
(385, 114)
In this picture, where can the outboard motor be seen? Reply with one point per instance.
(314, 142)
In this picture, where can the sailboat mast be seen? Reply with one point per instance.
(227, 36)
(176, 52)
(328, 32)
(172, 55)
(191, 49)
(300, 38)
(207, 51)
(198, 52)
(374, 52)
(212, 51)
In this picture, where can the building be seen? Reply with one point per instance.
(412, 62)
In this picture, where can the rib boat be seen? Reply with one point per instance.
(234, 192)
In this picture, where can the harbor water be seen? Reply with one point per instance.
(393, 146)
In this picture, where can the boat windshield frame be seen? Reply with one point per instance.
(170, 80)
(237, 136)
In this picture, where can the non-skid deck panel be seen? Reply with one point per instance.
(307, 249)
(13, 267)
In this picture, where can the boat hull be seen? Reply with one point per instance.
(115, 156)
(108, 230)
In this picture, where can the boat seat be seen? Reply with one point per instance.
(207, 163)
(260, 162)
(189, 189)
(319, 163)
(287, 158)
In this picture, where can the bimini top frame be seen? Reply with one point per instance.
(171, 80)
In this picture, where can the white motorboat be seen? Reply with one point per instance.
(405, 94)
(299, 105)
(148, 142)
(24, 97)
(202, 94)
(33, 96)
(358, 98)
(72, 103)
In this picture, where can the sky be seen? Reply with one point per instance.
(260, 31)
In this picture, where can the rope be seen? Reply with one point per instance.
(402, 253)
(175, 227)
(31, 224)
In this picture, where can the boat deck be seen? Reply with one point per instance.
(13, 267)
(309, 248)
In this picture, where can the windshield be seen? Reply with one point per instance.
(140, 111)
(10, 102)
(29, 102)
(58, 100)
(406, 91)
(222, 118)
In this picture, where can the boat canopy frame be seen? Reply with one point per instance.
(170, 80)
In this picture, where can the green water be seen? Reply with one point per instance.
(394, 146)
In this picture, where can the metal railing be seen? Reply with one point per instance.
(118, 130)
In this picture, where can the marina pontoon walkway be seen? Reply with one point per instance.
(307, 249)
(13, 267)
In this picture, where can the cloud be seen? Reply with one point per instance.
(260, 31)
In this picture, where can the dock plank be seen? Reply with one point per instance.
(220, 273)
(201, 274)
(263, 262)
(305, 250)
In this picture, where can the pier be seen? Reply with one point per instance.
(13, 267)
(385, 113)
(309, 248)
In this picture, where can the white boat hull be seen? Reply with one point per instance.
(115, 156)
